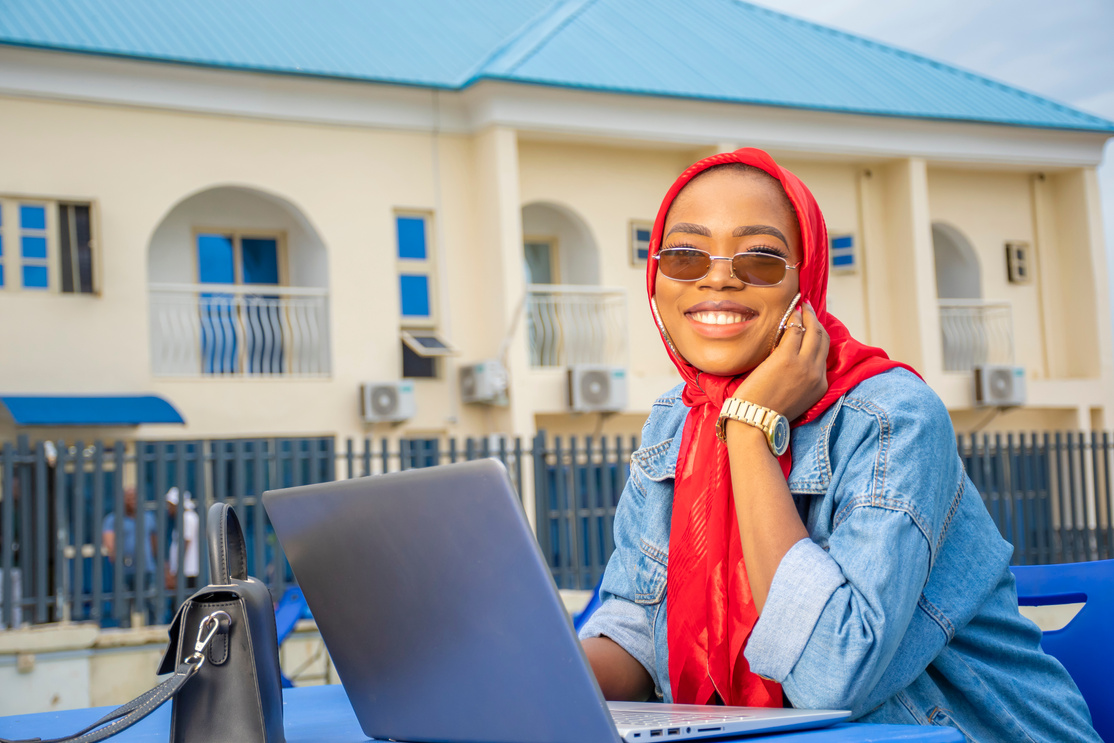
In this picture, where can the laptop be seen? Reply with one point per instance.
(444, 623)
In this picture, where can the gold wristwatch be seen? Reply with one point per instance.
(773, 424)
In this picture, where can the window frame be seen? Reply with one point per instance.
(633, 227)
(554, 254)
(418, 267)
(238, 234)
(11, 232)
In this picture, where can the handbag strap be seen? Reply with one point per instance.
(227, 552)
(126, 715)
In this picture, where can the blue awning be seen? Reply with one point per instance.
(100, 410)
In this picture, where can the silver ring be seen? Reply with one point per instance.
(795, 325)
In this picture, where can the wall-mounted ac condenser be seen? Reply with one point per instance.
(387, 402)
(595, 387)
(998, 385)
(484, 382)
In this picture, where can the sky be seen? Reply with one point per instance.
(1062, 50)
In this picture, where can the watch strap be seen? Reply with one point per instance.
(749, 413)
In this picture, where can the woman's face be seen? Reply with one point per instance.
(719, 324)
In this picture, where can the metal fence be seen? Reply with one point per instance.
(1050, 495)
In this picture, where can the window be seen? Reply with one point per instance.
(230, 257)
(541, 260)
(421, 344)
(242, 331)
(640, 241)
(842, 253)
(46, 245)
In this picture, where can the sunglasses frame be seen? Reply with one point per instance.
(731, 258)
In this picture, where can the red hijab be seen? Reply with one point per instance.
(711, 610)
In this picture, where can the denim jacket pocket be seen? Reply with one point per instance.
(651, 578)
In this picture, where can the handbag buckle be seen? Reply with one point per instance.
(218, 621)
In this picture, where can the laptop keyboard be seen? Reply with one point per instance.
(629, 718)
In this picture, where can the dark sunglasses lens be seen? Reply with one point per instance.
(759, 269)
(684, 265)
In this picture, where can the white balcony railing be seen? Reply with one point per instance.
(234, 330)
(975, 332)
(576, 325)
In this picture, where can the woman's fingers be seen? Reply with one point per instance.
(815, 338)
(794, 333)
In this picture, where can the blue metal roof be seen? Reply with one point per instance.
(724, 50)
(103, 410)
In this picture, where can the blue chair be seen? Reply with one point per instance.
(594, 603)
(290, 608)
(1086, 645)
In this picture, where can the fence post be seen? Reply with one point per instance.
(7, 538)
(541, 498)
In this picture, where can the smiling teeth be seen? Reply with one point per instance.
(717, 318)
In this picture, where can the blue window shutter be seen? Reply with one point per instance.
(843, 241)
(414, 290)
(1, 274)
(35, 277)
(411, 238)
(32, 217)
(260, 255)
(214, 258)
(843, 261)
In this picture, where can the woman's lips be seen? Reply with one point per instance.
(719, 319)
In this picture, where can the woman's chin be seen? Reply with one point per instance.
(724, 367)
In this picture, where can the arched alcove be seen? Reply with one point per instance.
(238, 285)
(958, 275)
(558, 245)
(173, 256)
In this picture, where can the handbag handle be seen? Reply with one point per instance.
(227, 551)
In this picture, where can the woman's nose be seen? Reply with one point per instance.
(721, 272)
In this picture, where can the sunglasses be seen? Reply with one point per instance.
(753, 268)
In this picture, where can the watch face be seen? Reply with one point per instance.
(781, 435)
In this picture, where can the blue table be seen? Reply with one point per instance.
(323, 714)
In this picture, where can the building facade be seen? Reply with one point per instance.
(282, 254)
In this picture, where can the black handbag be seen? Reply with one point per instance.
(237, 694)
(223, 653)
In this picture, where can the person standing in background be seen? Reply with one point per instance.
(128, 549)
(191, 553)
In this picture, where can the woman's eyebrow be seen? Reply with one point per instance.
(690, 228)
(759, 229)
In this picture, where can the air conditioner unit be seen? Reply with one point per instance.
(594, 387)
(387, 402)
(484, 382)
(999, 386)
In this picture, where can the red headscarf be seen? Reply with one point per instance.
(711, 610)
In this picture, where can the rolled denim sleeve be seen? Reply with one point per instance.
(627, 624)
(802, 586)
(833, 619)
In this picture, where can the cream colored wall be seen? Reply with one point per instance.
(607, 187)
(137, 165)
(991, 209)
(345, 184)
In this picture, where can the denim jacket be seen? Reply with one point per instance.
(899, 607)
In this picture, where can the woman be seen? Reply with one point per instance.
(853, 566)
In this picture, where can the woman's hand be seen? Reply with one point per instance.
(794, 376)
